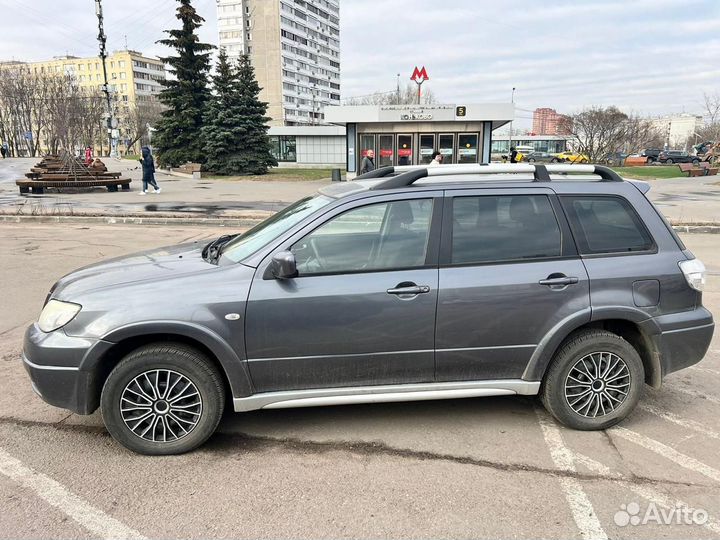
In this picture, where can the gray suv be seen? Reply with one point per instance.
(407, 284)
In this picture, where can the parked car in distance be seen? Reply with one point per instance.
(541, 157)
(615, 159)
(403, 285)
(572, 157)
(669, 157)
(650, 153)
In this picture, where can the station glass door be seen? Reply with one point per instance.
(427, 147)
(385, 153)
(405, 149)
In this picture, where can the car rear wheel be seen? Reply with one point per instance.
(669, 161)
(163, 399)
(594, 381)
(695, 162)
(531, 160)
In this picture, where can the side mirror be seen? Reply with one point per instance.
(283, 265)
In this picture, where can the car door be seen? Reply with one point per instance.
(361, 310)
(509, 273)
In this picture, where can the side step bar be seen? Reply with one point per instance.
(385, 394)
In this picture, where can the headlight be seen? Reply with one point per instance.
(57, 314)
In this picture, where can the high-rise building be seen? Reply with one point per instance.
(295, 49)
(548, 122)
(132, 77)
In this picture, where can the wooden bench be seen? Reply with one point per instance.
(37, 187)
(703, 169)
(635, 161)
(709, 169)
(64, 177)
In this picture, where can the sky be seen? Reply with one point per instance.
(650, 57)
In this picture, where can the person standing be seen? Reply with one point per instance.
(88, 155)
(148, 169)
(513, 155)
(436, 159)
(368, 162)
(5, 150)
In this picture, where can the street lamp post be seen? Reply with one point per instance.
(111, 121)
(512, 100)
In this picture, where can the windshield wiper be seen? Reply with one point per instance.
(211, 252)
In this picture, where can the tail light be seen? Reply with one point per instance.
(694, 271)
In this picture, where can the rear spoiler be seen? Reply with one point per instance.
(642, 186)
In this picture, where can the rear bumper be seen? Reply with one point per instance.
(54, 362)
(684, 339)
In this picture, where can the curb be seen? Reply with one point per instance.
(129, 220)
(687, 228)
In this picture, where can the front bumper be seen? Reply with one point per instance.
(61, 368)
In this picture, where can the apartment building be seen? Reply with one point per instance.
(132, 77)
(548, 122)
(294, 46)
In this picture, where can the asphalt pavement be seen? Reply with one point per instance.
(489, 467)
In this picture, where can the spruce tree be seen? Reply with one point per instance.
(235, 131)
(179, 138)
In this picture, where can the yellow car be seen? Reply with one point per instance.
(572, 157)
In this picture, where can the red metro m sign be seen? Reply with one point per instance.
(419, 76)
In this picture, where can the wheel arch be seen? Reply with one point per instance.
(631, 325)
(101, 359)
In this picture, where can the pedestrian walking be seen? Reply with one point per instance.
(88, 155)
(148, 168)
(5, 150)
(368, 162)
(436, 159)
(513, 154)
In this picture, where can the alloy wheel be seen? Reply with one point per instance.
(597, 384)
(161, 405)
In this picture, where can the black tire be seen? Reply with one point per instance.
(576, 348)
(182, 363)
(531, 160)
(695, 162)
(669, 162)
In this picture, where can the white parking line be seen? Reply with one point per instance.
(694, 393)
(670, 453)
(582, 510)
(675, 419)
(54, 493)
(646, 492)
(705, 370)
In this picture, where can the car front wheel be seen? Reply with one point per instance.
(163, 399)
(668, 162)
(594, 381)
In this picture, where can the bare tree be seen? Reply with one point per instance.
(599, 131)
(136, 118)
(407, 96)
(710, 132)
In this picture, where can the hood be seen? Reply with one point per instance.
(156, 264)
(145, 152)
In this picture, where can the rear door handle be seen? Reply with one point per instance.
(410, 289)
(558, 281)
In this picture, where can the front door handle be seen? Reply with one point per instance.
(556, 281)
(404, 289)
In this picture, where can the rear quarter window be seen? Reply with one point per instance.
(606, 224)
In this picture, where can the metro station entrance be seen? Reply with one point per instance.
(417, 148)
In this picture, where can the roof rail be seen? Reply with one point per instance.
(377, 173)
(407, 175)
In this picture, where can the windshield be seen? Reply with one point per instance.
(262, 234)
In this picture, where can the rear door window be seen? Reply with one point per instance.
(502, 228)
(606, 224)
